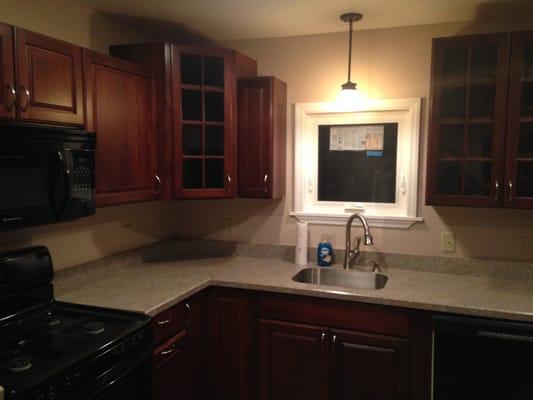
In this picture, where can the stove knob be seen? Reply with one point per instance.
(52, 393)
(68, 383)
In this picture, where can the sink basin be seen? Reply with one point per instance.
(341, 278)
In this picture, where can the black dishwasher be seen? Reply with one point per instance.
(478, 358)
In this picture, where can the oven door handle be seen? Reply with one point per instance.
(504, 336)
(62, 195)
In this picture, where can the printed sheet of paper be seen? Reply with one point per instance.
(356, 138)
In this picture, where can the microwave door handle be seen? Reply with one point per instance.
(62, 191)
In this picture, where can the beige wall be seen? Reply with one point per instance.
(113, 229)
(389, 63)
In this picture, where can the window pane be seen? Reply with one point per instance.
(191, 69)
(480, 139)
(527, 100)
(524, 176)
(351, 172)
(453, 100)
(451, 140)
(214, 106)
(214, 173)
(454, 63)
(481, 104)
(214, 140)
(192, 140)
(484, 62)
(525, 140)
(191, 105)
(527, 67)
(214, 71)
(478, 178)
(192, 173)
(449, 177)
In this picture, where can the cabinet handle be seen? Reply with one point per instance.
(170, 350)
(189, 314)
(323, 342)
(228, 178)
(26, 92)
(12, 95)
(158, 185)
(163, 322)
(265, 180)
(334, 343)
(497, 190)
(510, 190)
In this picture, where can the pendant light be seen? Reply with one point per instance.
(349, 93)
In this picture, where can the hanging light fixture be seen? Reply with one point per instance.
(349, 93)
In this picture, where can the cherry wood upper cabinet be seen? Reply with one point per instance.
(293, 361)
(519, 157)
(49, 79)
(120, 109)
(468, 114)
(262, 116)
(7, 75)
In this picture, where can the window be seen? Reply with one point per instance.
(361, 159)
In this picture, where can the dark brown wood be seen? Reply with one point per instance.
(335, 314)
(495, 199)
(171, 369)
(121, 110)
(7, 75)
(293, 361)
(157, 57)
(196, 308)
(519, 41)
(49, 79)
(230, 345)
(368, 366)
(169, 323)
(262, 137)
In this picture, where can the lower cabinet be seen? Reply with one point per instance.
(171, 369)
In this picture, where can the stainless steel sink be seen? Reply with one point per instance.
(341, 278)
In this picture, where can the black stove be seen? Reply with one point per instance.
(54, 350)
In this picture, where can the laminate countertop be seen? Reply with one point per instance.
(151, 287)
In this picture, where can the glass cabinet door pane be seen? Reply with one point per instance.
(214, 71)
(192, 173)
(191, 69)
(451, 140)
(527, 66)
(449, 177)
(214, 106)
(524, 179)
(526, 106)
(453, 101)
(478, 175)
(454, 62)
(192, 140)
(191, 105)
(525, 140)
(214, 173)
(480, 138)
(483, 62)
(214, 140)
(481, 101)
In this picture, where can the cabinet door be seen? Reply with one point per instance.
(204, 134)
(120, 110)
(292, 361)
(468, 121)
(519, 161)
(370, 367)
(7, 77)
(170, 370)
(197, 332)
(49, 79)
(261, 137)
(230, 345)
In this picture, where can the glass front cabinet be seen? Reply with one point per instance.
(204, 137)
(480, 150)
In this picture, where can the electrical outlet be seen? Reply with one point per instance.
(447, 242)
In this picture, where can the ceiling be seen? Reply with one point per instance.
(247, 19)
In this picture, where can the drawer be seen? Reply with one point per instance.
(168, 323)
(335, 314)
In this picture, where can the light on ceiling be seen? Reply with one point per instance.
(349, 94)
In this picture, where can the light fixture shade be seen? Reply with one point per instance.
(350, 98)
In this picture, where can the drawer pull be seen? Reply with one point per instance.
(170, 350)
(163, 322)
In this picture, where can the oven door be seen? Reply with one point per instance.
(134, 383)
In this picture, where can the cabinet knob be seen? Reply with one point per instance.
(323, 342)
(265, 180)
(496, 190)
(12, 94)
(158, 185)
(510, 184)
(26, 92)
(334, 343)
(228, 178)
(189, 314)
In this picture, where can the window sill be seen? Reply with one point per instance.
(315, 218)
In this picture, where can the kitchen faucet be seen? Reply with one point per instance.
(351, 255)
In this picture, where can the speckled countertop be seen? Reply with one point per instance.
(151, 287)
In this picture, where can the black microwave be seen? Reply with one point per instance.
(46, 175)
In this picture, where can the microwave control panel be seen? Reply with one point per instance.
(83, 180)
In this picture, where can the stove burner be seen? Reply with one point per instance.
(94, 327)
(19, 364)
(51, 321)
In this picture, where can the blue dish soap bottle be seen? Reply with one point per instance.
(325, 252)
